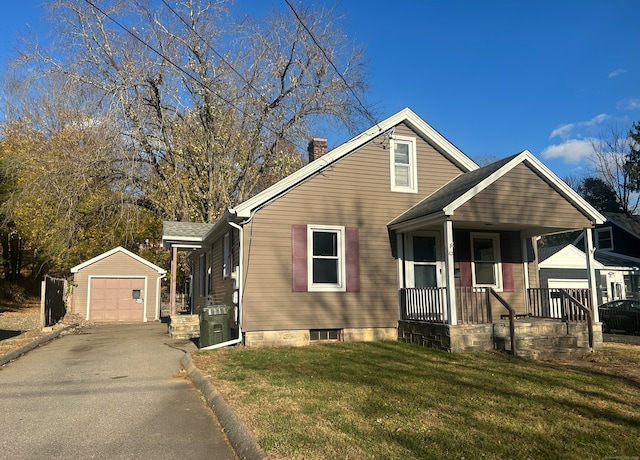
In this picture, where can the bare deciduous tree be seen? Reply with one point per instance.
(212, 106)
(610, 164)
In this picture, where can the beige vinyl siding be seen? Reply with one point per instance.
(521, 197)
(115, 265)
(223, 288)
(355, 192)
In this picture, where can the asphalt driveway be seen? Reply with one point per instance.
(113, 391)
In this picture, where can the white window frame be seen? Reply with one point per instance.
(226, 251)
(497, 264)
(202, 274)
(410, 263)
(599, 231)
(341, 285)
(413, 170)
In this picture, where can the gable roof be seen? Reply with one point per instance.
(406, 115)
(567, 256)
(184, 234)
(104, 255)
(461, 189)
(630, 224)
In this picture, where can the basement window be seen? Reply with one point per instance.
(324, 334)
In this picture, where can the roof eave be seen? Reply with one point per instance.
(244, 209)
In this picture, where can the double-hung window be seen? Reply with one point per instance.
(485, 255)
(604, 239)
(326, 258)
(404, 176)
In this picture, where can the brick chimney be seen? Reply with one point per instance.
(317, 147)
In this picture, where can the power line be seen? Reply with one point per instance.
(222, 58)
(324, 53)
(161, 55)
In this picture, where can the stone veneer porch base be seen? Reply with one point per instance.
(300, 338)
(460, 338)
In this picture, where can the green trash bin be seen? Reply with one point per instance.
(215, 325)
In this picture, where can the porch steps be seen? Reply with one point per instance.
(541, 339)
(184, 327)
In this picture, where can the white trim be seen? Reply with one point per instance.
(406, 115)
(409, 256)
(597, 232)
(226, 251)
(527, 157)
(452, 314)
(146, 292)
(104, 255)
(412, 165)
(341, 286)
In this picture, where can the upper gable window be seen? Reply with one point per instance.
(404, 176)
(604, 239)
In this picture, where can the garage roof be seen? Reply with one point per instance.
(114, 251)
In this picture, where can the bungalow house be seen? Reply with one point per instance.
(616, 255)
(395, 234)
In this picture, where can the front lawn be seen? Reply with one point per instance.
(391, 400)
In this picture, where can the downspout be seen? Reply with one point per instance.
(159, 295)
(240, 283)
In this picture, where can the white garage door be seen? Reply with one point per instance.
(117, 299)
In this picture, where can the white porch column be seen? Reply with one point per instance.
(172, 284)
(525, 271)
(591, 272)
(452, 317)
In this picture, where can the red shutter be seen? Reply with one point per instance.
(352, 254)
(463, 244)
(299, 268)
(506, 255)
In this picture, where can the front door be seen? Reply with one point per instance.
(423, 261)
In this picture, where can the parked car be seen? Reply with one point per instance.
(620, 315)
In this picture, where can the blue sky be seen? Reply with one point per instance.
(493, 77)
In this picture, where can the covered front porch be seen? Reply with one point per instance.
(485, 321)
(467, 261)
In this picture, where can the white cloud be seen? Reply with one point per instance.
(617, 72)
(629, 104)
(570, 151)
(565, 131)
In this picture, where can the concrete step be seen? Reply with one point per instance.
(553, 353)
(184, 327)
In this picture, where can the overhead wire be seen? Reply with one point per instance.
(335, 68)
(161, 55)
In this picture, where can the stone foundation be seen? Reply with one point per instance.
(300, 338)
(460, 338)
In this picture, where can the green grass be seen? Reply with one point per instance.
(387, 400)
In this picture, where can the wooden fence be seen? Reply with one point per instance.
(53, 300)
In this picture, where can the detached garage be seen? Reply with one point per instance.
(117, 285)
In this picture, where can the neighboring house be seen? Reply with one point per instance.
(393, 234)
(617, 256)
(117, 286)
